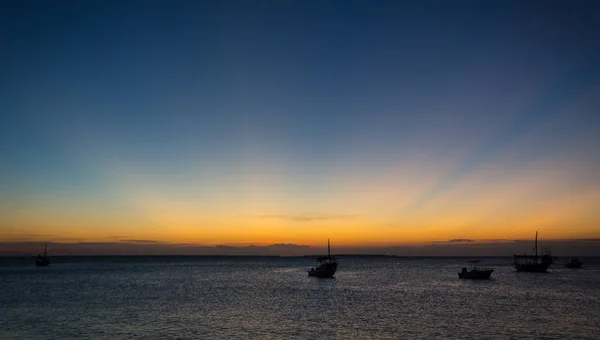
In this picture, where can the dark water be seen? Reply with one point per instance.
(273, 298)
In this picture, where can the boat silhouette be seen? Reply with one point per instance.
(573, 262)
(42, 261)
(326, 265)
(475, 272)
(533, 263)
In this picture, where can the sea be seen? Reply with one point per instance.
(273, 298)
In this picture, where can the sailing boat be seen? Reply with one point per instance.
(326, 265)
(533, 263)
(42, 261)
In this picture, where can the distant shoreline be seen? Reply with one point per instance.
(271, 256)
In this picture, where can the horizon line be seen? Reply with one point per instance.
(462, 241)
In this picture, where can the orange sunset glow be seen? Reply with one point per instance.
(232, 135)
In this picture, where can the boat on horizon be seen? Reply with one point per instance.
(533, 263)
(475, 272)
(573, 262)
(42, 261)
(326, 265)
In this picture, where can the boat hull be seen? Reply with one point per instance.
(476, 275)
(321, 273)
(42, 263)
(573, 265)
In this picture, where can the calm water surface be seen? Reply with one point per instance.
(273, 298)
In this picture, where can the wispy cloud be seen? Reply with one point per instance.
(308, 217)
(288, 245)
(454, 240)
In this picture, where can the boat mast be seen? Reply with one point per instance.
(328, 249)
(45, 249)
(536, 244)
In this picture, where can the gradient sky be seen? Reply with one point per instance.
(254, 122)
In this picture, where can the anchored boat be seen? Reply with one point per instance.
(475, 272)
(533, 263)
(326, 265)
(42, 261)
(573, 262)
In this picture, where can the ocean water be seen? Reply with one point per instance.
(273, 298)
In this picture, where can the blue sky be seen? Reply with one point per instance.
(306, 92)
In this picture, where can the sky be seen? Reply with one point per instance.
(372, 123)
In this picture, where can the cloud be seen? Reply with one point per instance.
(288, 245)
(456, 240)
(307, 217)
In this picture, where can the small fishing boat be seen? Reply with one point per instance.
(42, 261)
(326, 265)
(573, 262)
(533, 263)
(475, 272)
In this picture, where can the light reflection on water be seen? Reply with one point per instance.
(190, 298)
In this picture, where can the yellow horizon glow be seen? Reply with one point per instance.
(353, 208)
